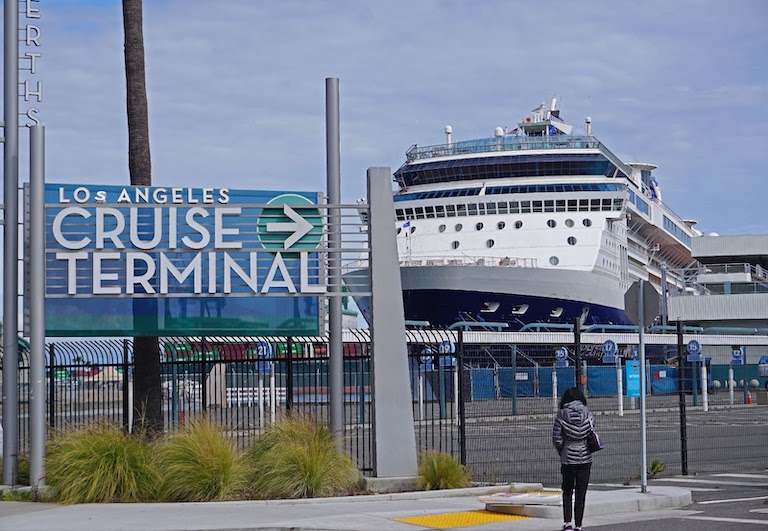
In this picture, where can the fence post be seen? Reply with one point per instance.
(577, 350)
(52, 386)
(203, 383)
(126, 405)
(514, 379)
(289, 376)
(462, 419)
(681, 397)
(704, 397)
(441, 384)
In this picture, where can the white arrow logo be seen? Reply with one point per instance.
(299, 228)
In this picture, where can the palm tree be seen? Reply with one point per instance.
(148, 412)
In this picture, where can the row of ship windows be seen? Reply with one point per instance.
(500, 225)
(511, 207)
(490, 243)
(503, 190)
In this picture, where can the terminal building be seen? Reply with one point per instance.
(727, 292)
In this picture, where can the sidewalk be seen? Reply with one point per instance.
(455, 509)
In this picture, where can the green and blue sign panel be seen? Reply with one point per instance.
(147, 261)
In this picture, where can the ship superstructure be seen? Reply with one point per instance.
(534, 224)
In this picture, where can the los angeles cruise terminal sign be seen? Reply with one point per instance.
(127, 260)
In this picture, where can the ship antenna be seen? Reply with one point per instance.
(448, 131)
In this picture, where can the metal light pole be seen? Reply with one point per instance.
(11, 243)
(333, 185)
(37, 306)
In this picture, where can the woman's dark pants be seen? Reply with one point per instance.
(574, 476)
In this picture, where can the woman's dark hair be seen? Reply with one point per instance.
(574, 393)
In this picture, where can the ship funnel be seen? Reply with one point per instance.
(448, 131)
(588, 126)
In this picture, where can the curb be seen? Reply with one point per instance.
(607, 502)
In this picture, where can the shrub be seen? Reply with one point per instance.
(439, 470)
(298, 458)
(656, 467)
(200, 463)
(101, 463)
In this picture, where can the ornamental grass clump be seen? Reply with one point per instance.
(101, 464)
(199, 463)
(298, 458)
(439, 470)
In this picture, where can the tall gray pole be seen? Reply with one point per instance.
(641, 349)
(333, 185)
(37, 306)
(11, 242)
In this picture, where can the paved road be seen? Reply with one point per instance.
(722, 501)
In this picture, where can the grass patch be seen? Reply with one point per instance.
(298, 458)
(17, 496)
(22, 470)
(101, 464)
(200, 463)
(439, 470)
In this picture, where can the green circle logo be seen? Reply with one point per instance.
(290, 224)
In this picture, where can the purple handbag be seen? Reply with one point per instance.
(594, 442)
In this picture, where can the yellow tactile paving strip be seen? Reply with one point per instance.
(450, 520)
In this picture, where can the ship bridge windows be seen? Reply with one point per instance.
(505, 167)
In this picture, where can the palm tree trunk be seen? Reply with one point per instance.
(147, 397)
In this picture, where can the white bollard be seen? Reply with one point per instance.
(554, 388)
(456, 393)
(620, 386)
(704, 394)
(730, 385)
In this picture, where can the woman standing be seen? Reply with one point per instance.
(569, 435)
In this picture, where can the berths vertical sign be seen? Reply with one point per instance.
(32, 87)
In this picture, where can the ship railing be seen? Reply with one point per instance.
(483, 261)
(513, 143)
(723, 279)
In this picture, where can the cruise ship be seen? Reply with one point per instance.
(535, 224)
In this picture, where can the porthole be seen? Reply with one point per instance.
(441, 228)
(551, 223)
(569, 222)
(571, 240)
(458, 227)
(489, 243)
(587, 222)
(518, 224)
(478, 226)
(454, 244)
(413, 229)
(500, 225)
(399, 230)
(554, 260)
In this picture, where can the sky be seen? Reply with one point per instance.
(236, 89)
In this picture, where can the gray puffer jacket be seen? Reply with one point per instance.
(569, 433)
